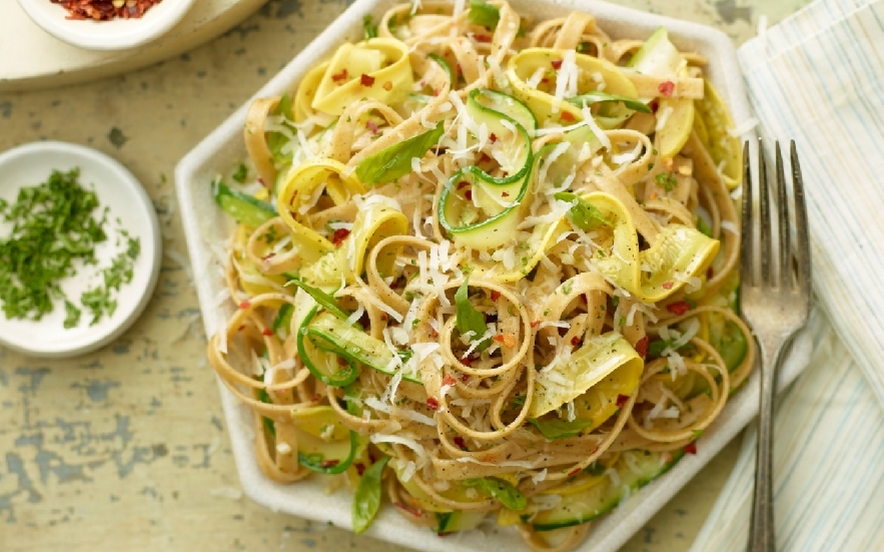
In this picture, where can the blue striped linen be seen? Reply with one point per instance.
(818, 77)
(828, 463)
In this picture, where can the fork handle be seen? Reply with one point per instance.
(761, 532)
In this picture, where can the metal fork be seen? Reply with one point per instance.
(775, 299)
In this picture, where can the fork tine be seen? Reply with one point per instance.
(802, 246)
(785, 264)
(746, 245)
(764, 200)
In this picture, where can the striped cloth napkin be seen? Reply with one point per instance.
(818, 78)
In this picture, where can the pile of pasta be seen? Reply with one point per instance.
(490, 275)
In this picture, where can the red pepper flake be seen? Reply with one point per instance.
(504, 194)
(556, 64)
(339, 236)
(462, 184)
(488, 457)
(492, 137)
(330, 463)
(342, 76)
(387, 86)
(508, 340)
(245, 305)
(464, 378)
(372, 126)
(406, 508)
(316, 398)
(360, 468)
(433, 403)
(654, 105)
(575, 341)
(678, 308)
(483, 157)
(691, 448)
(535, 323)
(461, 444)
(366, 80)
(567, 117)
(709, 273)
(261, 181)
(104, 10)
(468, 195)
(574, 472)
(241, 328)
(495, 295)
(641, 347)
(267, 331)
(482, 38)
(622, 399)
(667, 285)
(449, 380)
(666, 88)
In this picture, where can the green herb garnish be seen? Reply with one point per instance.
(468, 319)
(390, 163)
(596, 96)
(367, 499)
(55, 229)
(583, 214)
(484, 14)
(500, 490)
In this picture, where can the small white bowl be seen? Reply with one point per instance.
(115, 34)
(129, 209)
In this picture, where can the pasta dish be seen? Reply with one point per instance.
(485, 269)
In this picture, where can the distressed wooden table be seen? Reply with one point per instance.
(125, 449)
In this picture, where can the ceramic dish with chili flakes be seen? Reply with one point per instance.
(104, 10)
(106, 24)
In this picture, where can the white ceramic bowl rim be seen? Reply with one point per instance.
(115, 34)
(129, 209)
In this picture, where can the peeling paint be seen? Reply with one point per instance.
(729, 12)
(97, 390)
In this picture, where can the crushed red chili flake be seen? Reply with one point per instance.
(461, 444)
(465, 377)
(330, 463)
(556, 64)
(433, 403)
(105, 10)
(360, 468)
(678, 308)
(492, 137)
(574, 472)
(366, 80)
(468, 194)
(666, 88)
(709, 273)
(535, 323)
(388, 86)
(372, 126)
(316, 398)
(340, 76)
(339, 236)
(667, 285)
(575, 341)
(508, 340)
(462, 184)
(622, 399)
(406, 508)
(567, 117)
(495, 295)
(641, 347)
(449, 380)
(691, 448)
(267, 331)
(482, 38)
(245, 305)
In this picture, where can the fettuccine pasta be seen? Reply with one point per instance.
(485, 269)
